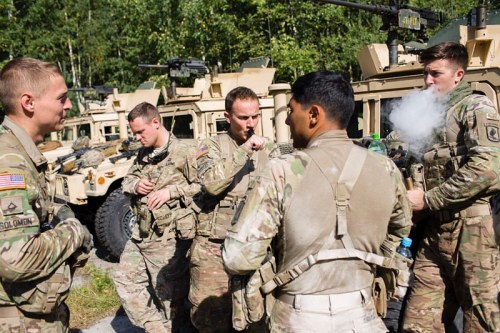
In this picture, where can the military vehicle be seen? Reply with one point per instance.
(102, 121)
(191, 113)
(392, 70)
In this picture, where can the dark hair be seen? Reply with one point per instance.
(328, 89)
(144, 110)
(239, 93)
(454, 52)
(24, 74)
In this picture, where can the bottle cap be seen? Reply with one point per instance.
(376, 136)
(406, 241)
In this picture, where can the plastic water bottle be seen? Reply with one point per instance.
(377, 146)
(404, 248)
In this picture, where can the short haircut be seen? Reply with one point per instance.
(330, 90)
(451, 51)
(144, 110)
(239, 93)
(24, 75)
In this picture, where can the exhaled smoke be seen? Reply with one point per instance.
(416, 117)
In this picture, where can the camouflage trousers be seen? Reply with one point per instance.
(14, 321)
(209, 290)
(457, 265)
(349, 312)
(152, 281)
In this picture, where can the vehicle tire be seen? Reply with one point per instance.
(114, 222)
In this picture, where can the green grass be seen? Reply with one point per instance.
(94, 300)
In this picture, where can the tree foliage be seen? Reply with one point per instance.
(101, 42)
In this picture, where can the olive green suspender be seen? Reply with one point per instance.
(342, 188)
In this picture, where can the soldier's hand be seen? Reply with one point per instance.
(158, 198)
(144, 186)
(417, 199)
(255, 142)
(88, 240)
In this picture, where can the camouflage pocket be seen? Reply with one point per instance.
(164, 218)
(239, 313)
(185, 224)
(41, 297)
(254, 298)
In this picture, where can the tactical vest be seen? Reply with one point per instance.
(217, 212)
(315, 226)
(449, 153)
(164, 219)
(42, 295)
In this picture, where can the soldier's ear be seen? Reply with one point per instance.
(459, 75)
(227, 116)
(156, 123)
(314, 114)
(28, 102)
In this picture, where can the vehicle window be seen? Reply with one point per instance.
(84, 130)
(183, 126)
(221, 126)
(385, 110)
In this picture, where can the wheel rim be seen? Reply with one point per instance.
(129, 220)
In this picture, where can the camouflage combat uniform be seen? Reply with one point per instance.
(458, 261)
(156, 256)
(225, 170)
(293, 208)
(35, 267)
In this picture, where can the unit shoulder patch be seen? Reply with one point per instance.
(493, 133)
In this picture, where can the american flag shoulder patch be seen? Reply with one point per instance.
(203, 151)
(10, 181)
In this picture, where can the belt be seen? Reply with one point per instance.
(472, 211)
(327, 302)
(9, 312)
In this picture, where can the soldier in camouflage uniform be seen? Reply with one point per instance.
(152, 278)
(322, 199)
(226, 166)
(36, 263)
(458, 261)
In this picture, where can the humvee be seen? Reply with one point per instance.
(100, 121)
(191, 113)
(383, 84)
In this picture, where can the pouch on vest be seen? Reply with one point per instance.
(248, 301)
(396, 280)
(41, 297)
(185, 224)
(380, 296)
(165, 215)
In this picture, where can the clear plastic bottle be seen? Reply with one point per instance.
(377, 146)
(404, 247)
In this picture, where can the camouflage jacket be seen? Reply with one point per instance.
(472, 122)
(378, 211)
(29, 256)
(226, 170)
(219, 167)
(166, 169)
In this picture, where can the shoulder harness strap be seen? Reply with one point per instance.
(342, 191)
